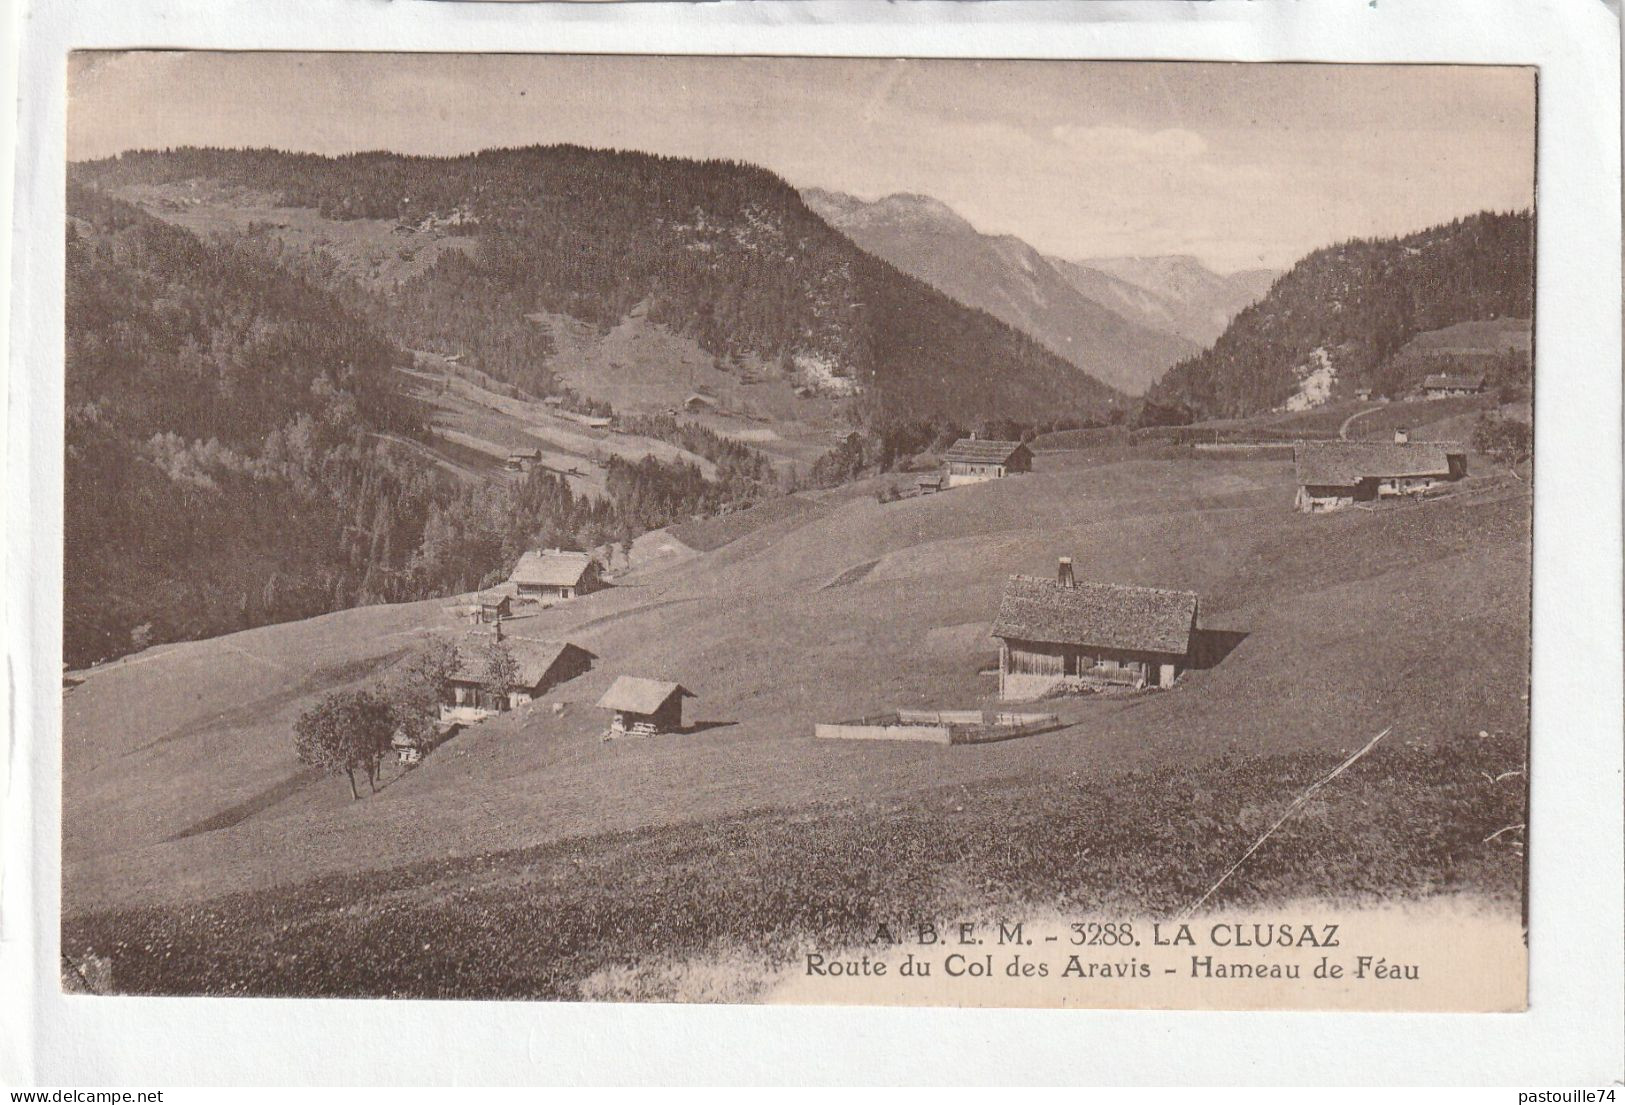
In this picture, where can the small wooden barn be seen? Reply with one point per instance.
(539, 665)
(1443, 385)
(555, 574)
(495, 604)
(1059, 634)
(645, 706)
(976, 460)
(1335, 474)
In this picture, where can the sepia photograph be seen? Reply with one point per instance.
(798, 530)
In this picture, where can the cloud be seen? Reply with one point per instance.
(1131, 144)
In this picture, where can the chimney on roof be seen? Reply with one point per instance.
(1402, 436)
(973, 435)
(1063, 573)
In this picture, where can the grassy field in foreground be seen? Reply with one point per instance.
(1412, 819)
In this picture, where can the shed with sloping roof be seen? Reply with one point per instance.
(976, 460)
(1058, 634)
(645, 705)
(1335, 474)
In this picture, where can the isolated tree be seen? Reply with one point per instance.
(416, 689)
(1506, 439)
(501, 670)
(345, 732)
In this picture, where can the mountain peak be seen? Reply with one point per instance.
(899, 209)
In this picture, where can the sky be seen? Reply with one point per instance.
(1241, 165)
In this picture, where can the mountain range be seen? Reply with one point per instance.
(1124, 320)
(722, 252)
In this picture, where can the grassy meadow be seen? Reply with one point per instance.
(528, 856)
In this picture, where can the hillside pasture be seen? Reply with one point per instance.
(1414, 616)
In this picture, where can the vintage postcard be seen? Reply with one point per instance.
(798, 530)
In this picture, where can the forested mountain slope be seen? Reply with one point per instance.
(238, 452)
(1342, 313)
(722, 252)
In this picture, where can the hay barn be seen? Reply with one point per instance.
(974, 460)
(494, 605)
(645, 706)
(1057, 635)
(1336, 474)
(540, 665)
(555, 574)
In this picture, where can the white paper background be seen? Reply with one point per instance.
(1573, 1031)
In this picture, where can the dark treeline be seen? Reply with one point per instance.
(1360, 302)
(739, 467)
(237, 452)
(722, 252)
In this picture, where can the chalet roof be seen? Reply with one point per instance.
(534, 658)
(640, 696)
(1453, 381)
(550, 568)
(975, 450)
(1346, 463)
(1106, 615)
(494, 595)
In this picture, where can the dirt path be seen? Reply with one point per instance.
(1343, 430)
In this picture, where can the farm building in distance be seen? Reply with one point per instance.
(645, 706)
(1059, 634)
(1336, 474)
(555, 574)
(522, 460)
(539, 666)
(1444, 385)
(974, 460)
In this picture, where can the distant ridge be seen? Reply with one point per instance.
(722, 252)
(1124, 320)
(1345, 311)
(1012, 281)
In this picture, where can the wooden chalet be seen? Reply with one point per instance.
(541, 665)
(555, 574)
(1058, 635)
(1443, 385)
(1336, 474)
(976, 460)
(645, 706)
